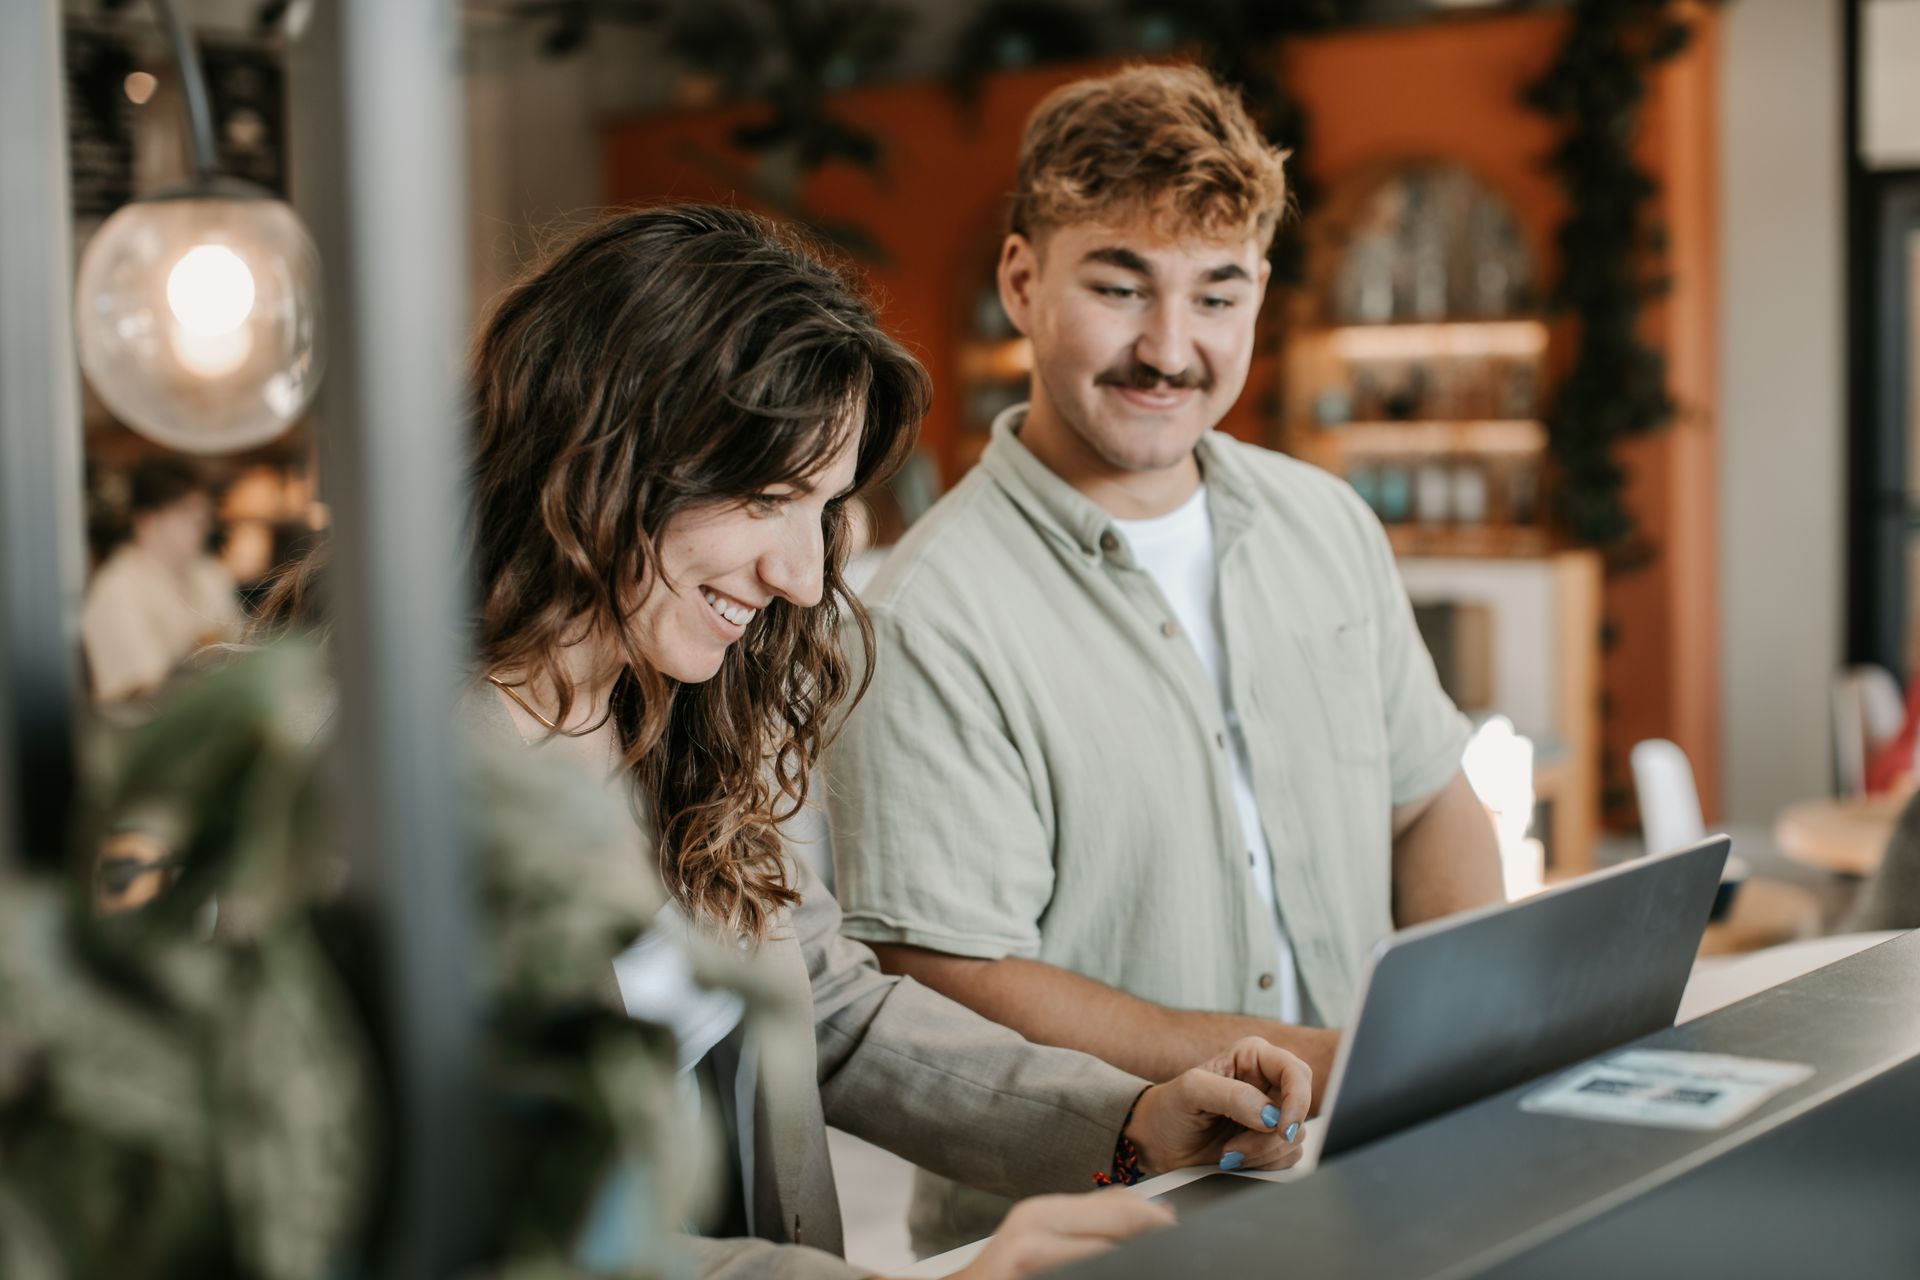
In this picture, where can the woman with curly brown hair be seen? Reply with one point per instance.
(671, 415)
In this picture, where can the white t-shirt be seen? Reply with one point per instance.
(1176, 550)
(143, 617)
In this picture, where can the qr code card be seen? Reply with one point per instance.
(1666, 1088)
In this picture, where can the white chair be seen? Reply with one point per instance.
(1765, 912)
(1883, 709)
(1669, 800)
(1868, 713)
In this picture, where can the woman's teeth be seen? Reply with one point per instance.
(733, 611)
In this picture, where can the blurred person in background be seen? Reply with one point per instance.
(159, 596)
(672, 416)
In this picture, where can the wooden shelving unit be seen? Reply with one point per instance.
(1429, 400)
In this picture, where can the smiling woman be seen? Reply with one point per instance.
(668, 416)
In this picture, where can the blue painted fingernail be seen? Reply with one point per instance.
(1293, 1131)
(1270, 1115)
(1231, 1161)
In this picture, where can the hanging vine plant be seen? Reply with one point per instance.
(1009, 35)
(1612, 251)
(787, 57)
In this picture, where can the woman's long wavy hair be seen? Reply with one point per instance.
(662, 361)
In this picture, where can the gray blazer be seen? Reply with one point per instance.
(910, 1071)
(894, 1063)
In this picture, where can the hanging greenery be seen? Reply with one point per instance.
(791, 56)
(1612, 250)
(786, 57)
(1007, 35)
(185, 1093)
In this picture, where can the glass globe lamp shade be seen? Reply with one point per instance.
(198, 316)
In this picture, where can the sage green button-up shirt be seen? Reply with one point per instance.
(1040, 767)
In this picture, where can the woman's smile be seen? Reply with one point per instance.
(731, 615)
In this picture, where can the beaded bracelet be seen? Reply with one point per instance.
(1126, 1156)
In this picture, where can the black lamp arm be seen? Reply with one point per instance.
(193, 88)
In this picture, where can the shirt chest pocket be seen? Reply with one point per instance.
(1340, 665)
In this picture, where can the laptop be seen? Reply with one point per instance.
(1461, 1008)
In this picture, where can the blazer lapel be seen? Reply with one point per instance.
(791, 1191)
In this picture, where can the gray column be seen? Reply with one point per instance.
(40, 521)
(378, 174)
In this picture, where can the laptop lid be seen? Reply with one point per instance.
(1461, 1008)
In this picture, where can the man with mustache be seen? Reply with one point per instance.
(1153, 752)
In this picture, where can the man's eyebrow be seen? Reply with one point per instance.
(1115, 256)
(1128, 260)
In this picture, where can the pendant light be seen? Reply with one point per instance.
(198, 308)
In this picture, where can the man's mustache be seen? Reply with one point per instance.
(1144, 377)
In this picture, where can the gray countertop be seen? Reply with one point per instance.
(1490, 1189)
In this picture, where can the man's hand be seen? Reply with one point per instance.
(1048, 1232)
(1241, 1111)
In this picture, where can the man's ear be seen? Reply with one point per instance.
(1019, 268)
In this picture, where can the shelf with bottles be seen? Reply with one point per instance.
(1461, 490)
(1447, 440)
(1457, 371)
(1415, 361)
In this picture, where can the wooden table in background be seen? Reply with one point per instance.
(1848, 837)
(1765, 913)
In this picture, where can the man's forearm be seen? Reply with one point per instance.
(1054, 1006)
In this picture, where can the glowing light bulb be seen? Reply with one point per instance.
(212, 355)
(198, 316)
(210, 291)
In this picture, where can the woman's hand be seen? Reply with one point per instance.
(1241, 1111)
(1051, 1231)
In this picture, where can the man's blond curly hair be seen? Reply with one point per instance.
(1168, 143)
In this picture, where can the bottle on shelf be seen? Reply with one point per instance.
(1433, 492)
(1396, 492)
(1469, 490)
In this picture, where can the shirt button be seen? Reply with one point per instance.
(1220, 741)
(1109, 542)
(1169, 628)
(1266, 981)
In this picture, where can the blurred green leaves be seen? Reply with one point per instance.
(195, 1088)
(1612, 256)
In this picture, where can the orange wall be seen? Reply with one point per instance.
(1675, 474)
(1446, 89)
(936, 209)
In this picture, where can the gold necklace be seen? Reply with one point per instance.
(508, 689)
